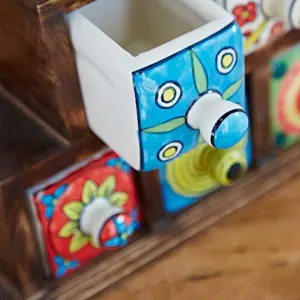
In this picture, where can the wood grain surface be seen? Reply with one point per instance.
(253, 254)
(38, 67)
(23, 141)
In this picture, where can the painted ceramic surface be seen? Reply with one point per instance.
(285, 98)
(86, 211)
(201, 171)
(257, 29)
(166, 91)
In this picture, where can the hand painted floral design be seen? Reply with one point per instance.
(245, 13)
(51, 200)
(279, 69)
(288, 103)
(74, 210)
(135, 221)
(98, 191)
(63, 266)
(118, 162)
(249, 33)
(124, 226)
(281, 139)
(202, 86)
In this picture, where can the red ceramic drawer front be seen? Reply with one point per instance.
(84, 211)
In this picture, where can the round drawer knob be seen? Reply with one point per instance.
(226, 167)
(222, 123)
(286, 10)
(203, 169)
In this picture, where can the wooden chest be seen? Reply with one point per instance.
(37, 67)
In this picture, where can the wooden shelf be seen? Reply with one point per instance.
(101, 274)
(7, 292)
(24, 141)
(21, 264)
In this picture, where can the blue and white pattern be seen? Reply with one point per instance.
(166, 91)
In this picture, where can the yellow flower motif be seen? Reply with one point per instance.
(73, 210)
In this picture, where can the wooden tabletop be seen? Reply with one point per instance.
(253, 254)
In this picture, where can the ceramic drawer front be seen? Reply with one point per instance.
(202, 171)
(284, 99)
(84, 211)
(263, 20)
(146, 91)
(164, 129)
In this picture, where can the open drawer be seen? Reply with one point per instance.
(154, 75)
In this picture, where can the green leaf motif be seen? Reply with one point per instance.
(166, 126)
(107, 187)
(199, 74)
(89, 191)
(233, 89)
(93, 243)
(73, 210)
(78, 241)
(118, 199)
(68, 229)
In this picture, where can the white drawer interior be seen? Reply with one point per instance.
(141, 25)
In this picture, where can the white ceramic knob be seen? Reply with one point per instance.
(95, 215)
(221, 123)
(286, 10)
(295, 14)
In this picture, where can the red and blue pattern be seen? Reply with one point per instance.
(50, 200)
(121, 226)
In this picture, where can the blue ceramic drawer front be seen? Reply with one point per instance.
(166, 91)
(185, 180)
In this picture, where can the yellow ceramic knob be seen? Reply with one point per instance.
(226, 166)
(204, 169)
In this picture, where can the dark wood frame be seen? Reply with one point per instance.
(258, 96)
(36, 52)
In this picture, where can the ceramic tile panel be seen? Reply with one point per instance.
(202, 171)
(258, 29)
(86, 210)
(167, 91)
(285, 98)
